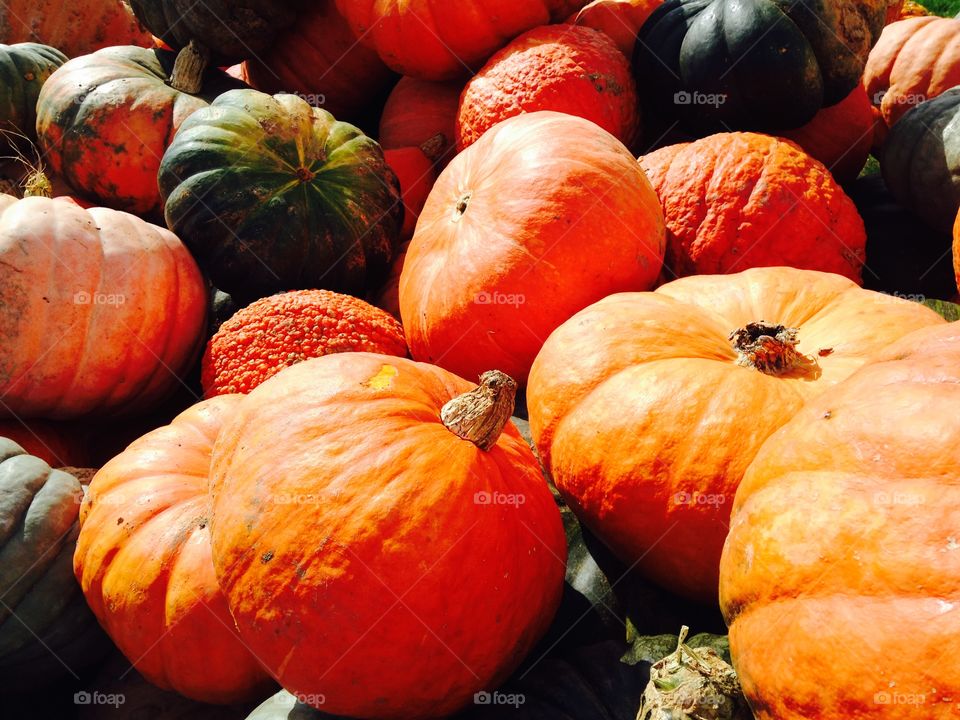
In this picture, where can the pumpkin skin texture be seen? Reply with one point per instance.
(839, 136)
(76, 28)
(423, 114)
(143, 561)
(915, 60)
(57, 444)
(565, 68)
(619, 19)
(104, 121)
(894, 8)
(428, 593)
(694, 417)
(276, 332)
(956, 250)
(920, 163)
(45, 626)
(765, 65)
(113, 333)
(292, 198)
(738, 200)
(417, 176)
(871, 569)
(319, 58)
(441, 40)
(23, 70)
(505, 251)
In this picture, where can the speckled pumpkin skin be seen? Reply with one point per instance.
(104, 121)
(915, 60)
(143, 561)
(565, 68)
(281, 330)
(639, 409)
(353, 551)
(839, 576)
(24, 68)
(738, 200)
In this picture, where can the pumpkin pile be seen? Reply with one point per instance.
(387, 360)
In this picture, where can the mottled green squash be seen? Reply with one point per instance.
(24, 68)
(271, 194)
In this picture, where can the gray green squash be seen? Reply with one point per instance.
(24, 68)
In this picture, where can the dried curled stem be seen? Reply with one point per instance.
(769, 348)
(481, 414)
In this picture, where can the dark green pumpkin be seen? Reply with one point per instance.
(920, 160)
(271, 194)
(46, 629)
(720, 65)
(24, 68)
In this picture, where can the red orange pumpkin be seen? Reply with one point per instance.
(423, 114)
(416, 174)
(619, 19)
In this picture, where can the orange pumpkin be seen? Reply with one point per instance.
(894, 8)
(566, 68)
(75, 28)
(839, 575)
(320, 60)
(389, 296)
(914, 60)
(647, 408)
(143, 561)
(733, 201)
(102, 310)
(417, 176)
(385, 549)
(840, 136)
(956, 250)
(57, 445)
(423, 114)
(442, 40)
(505, 250)
(619, 19)
(275, 332)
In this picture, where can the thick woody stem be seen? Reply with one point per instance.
(768, 348)
(189, 67)
(481, 414)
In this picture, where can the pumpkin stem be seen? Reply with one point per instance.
(769, 348)
(481, 414)
(188, 70)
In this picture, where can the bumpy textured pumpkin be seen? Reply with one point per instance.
(843, 535)
(542, 216)
(441, 40)
(385, 549)
(767, 65)
(416, 174)
(320, 59)
(738, 200)
(423, 114)
(566, 68)
(24, 68)
(619, 19)
(75, 28)
(104, 121)
(921, 163)
(46, 629)
(57, 444)
(652, 405)
(839, 136)
(914, 61)
(143, 561)
(100, 309)
(282, 330)
(291, 198)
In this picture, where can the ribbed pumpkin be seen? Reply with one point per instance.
(143, 561)
(542, 216)
(956, 250)
(914, 61)
(75, 28)
(282, 330)
(104, 121)
(839, 136)
(320, 59)
(381, 547)
(423, 114)
(738, 200)
(57, 444)
(24, 68)
(840, 572)
(619, 19)
(416, 175)
(100, 310)
(442, 40)
(921, 160)
(652, 405)
(292, 198)
(46, 629)
(565, 68)
(765, 65)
